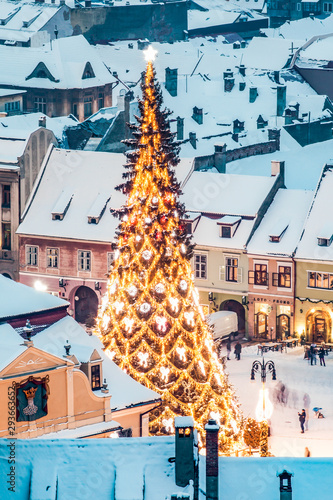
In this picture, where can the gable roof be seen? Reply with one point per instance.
(65, 60)
(226, 194)
(125, 391)
(285, 215)
(319, 216)
(90, 178)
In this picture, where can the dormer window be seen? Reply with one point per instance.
(95, 377)
(225, 231)
(88, 72)
(324, 242)
(98, 208)
(191, 223)
(41, 74)
(60, 209)
(278, 231)
(228, 225)
(325, 235)
(41, 71)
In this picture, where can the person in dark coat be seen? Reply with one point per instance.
(238, 350)
(312, 353)
(322, 356)
(301, 418)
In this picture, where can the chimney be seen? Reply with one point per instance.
(281, 98)
(180, 128)
(212, 460)
(42, 121)
(229, 83)
(277, 168)
(143, 44)
(171, 76)
(294, 108)
(220, 157)
(242, 86)
(277, 76)
(285, 485)
(185, 459)
(193, 139)
(197, 115)
(87, 3)
(242, 69)
(274, 135)
(238, 126)
(253, 94)
(228, 73)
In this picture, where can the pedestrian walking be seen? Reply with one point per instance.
(228, 348)
(238, 350)
(301, 418)
(313, 356)
(322, 356)
(307, 452)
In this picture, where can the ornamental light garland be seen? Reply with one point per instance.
(150, 321)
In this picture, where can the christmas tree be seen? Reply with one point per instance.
(150, 320)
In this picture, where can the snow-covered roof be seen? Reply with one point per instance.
(21, 19)
(18, 300)
(84, 431)
(207, 233)
(65, 62)
(318, 220)
(226, 194)
(11, 345)
(137, 468)
(213, 17)
(301, 29)
(259, 53)
(11, 92)
(303, 165)
(21, 126)
(201, 63)
(125, 391)
(85, 176)
(284, 218)
(316, 52)
(10, 151)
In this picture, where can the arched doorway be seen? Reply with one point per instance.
(318, 325)
(260, 325)
(233, 305)
(282, 326)
(86, 304)
(6, 275)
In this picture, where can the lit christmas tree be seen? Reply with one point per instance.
(150, 320)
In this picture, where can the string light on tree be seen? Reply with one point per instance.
(156, 329)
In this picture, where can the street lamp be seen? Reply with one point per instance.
(264, 408)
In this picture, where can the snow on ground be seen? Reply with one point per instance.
(306, 386)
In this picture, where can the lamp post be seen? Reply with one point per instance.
(264, 408)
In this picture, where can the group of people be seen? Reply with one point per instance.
(312, 355)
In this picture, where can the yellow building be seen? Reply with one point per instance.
(55, 379)
(314, 266)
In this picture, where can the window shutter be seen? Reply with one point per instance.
(222, 273)
(267, 279)
(239, 275)
(275, 279)
(251, 277)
